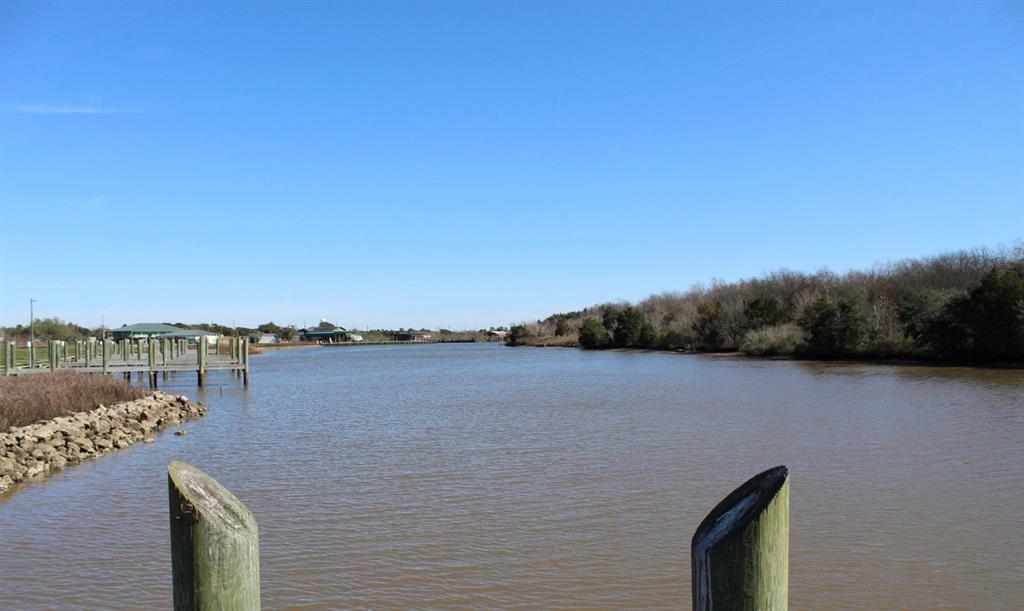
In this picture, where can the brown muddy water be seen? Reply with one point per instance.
(491, 477)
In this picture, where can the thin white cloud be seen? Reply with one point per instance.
(49, 109)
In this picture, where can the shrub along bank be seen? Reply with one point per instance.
(962, 306)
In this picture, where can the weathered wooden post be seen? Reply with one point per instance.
(151, 360)
(31, 354)
(201, 357)
(245, 360)
(740, 552)
(51, 355)
(215, 555)
(106, 356)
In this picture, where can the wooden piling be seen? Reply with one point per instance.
(740, 552)
(106, 356)
(215, 559)
(245, 361)
(201, 358)
(151, 357)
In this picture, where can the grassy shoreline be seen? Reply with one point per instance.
(31, 398)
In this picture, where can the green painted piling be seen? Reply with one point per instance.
(740, 552)
(215, 556)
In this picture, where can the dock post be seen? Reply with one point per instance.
(245, 360)
(51, 355)
(31, 355)
(201, 358)
(215, 550)
(151, 359)
(106, 356)
(740, 552)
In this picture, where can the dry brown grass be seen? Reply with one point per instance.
(30, 398)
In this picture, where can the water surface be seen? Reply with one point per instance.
(483, 476)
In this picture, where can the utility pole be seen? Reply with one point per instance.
(32, 321)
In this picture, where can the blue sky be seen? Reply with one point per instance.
(468, 165)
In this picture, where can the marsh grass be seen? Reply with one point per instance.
(30, 398)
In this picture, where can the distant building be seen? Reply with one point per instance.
(336, 335)
(264, 338)
(193, 335)
(143, 330)
(497, 334)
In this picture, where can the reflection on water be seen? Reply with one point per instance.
(465, 475)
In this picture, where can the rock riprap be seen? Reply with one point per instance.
(50, 445)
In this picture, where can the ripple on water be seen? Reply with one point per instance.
(480, 476)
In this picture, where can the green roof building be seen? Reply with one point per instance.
(143, 330)
(327, 336)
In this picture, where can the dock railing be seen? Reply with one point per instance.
(147, 356)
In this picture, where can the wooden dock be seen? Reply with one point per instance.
(147, 357)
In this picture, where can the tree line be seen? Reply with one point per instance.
(56, 329)
(959, 306)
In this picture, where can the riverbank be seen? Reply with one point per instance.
(922, 361)
(40, 448)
